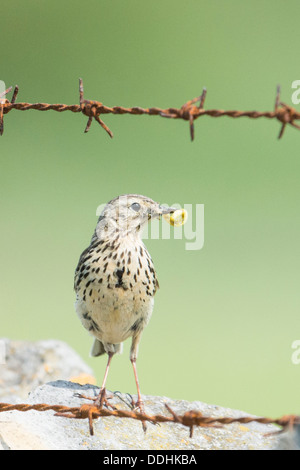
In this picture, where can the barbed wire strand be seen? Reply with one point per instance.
(190, 111)
(189, 419)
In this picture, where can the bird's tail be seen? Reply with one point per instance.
(98, 348)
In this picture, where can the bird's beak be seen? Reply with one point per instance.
(161, 210)
(166, 210)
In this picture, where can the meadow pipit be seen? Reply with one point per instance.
(115, 280)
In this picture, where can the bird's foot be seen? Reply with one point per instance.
(139, 406)
(101, 400)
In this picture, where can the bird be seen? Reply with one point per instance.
(115, 281)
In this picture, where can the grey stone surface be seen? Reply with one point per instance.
(26, 365)
(48, 372)
(43, 430)
(290, 440)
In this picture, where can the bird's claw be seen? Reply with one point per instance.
(99, 401)
(139, 406)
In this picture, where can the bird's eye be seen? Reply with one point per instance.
(135, 206)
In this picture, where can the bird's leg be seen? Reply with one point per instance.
(133, 355)
(101, 399)
(139, 403)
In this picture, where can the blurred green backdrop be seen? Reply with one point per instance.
(225, 316)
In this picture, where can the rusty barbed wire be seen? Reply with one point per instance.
(189, 419)
(190, 111)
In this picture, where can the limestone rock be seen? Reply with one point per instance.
(25, 365)
(49, 371)
(43, 430)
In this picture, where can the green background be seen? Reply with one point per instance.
(225, 316)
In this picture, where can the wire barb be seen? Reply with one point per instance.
(286, 114)
(92, 110)
(2, 103)
(189, 111)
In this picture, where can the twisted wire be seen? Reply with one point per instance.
(189, 419)
(190, 111)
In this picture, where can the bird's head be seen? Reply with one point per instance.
(127, 214)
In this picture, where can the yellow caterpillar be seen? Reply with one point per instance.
(176, 219)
